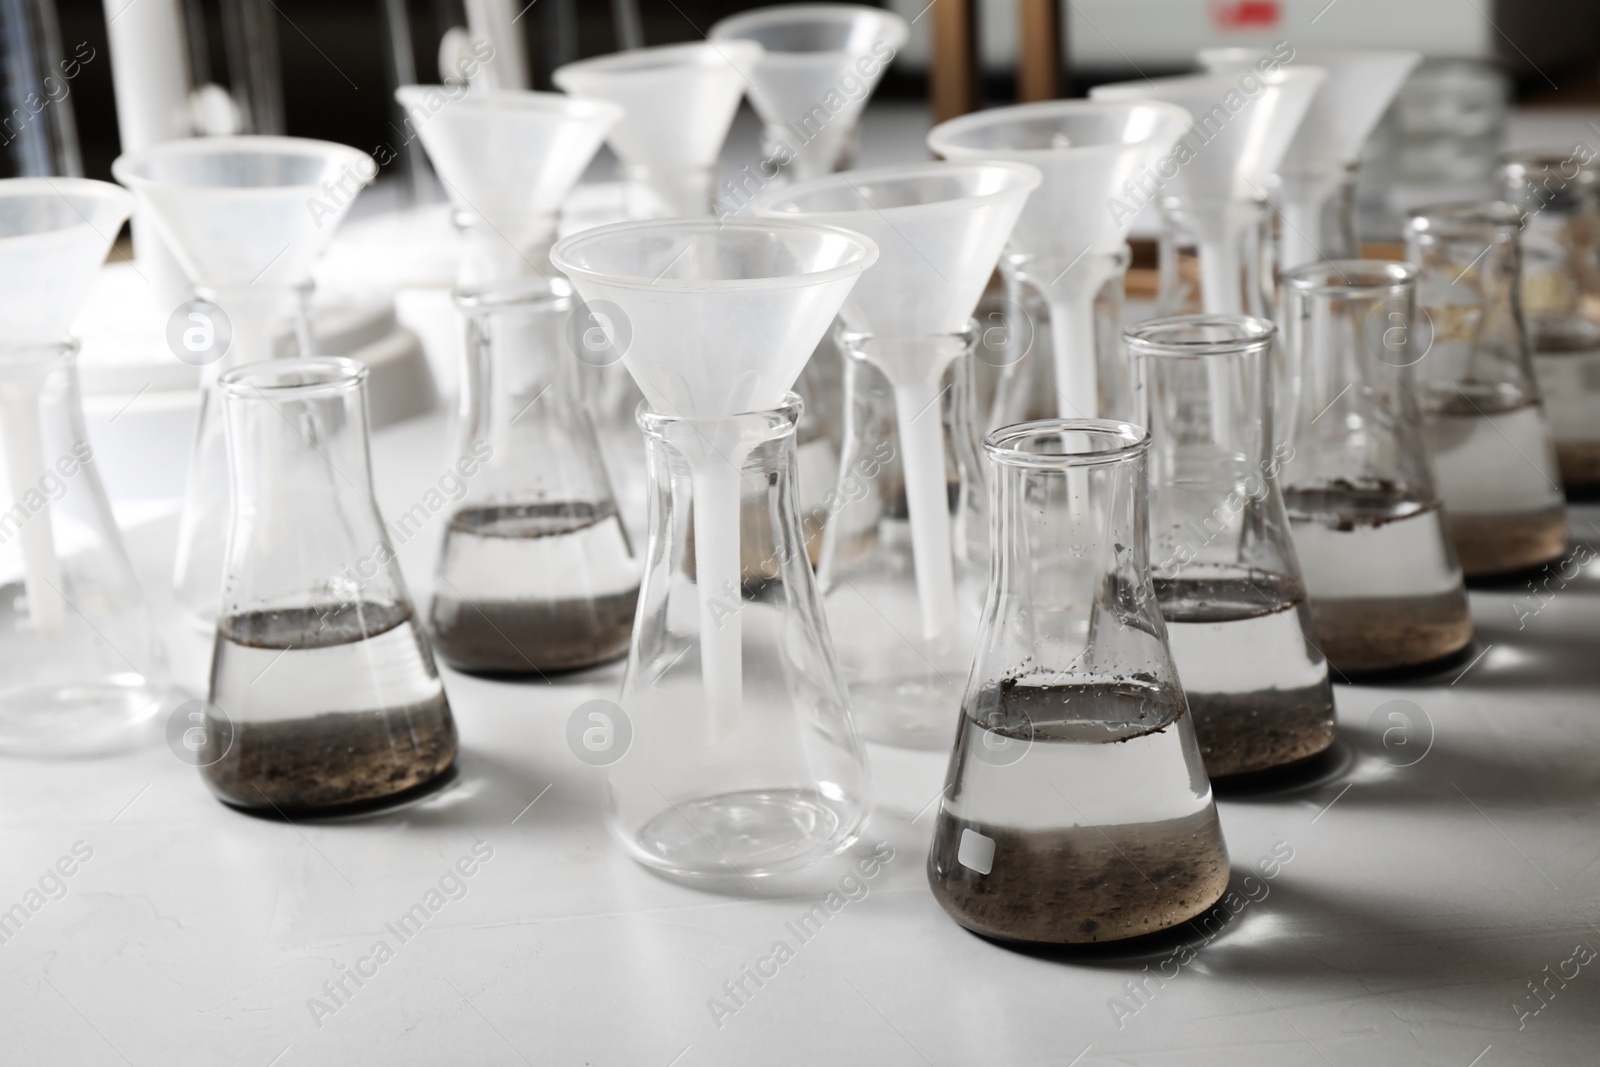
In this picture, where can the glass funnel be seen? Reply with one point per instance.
(324, 694)
(744, 757)
(891, 562)
(245, 217)
(1369, 530)
(678, 102)
(536, 573)
(81, 670)
(1223, 563)
(1076, 808)
(1558, 196)
(819, 65)
(1494, 457)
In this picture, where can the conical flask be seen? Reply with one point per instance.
(1069, 245)
(679, 101)
(1494, 457)
(324, 695)
(1072, 698)
(1242, 126)
(245, 217)
(744, 757)
(1369, 530)
(1226, 577)
(536, 573)
(83, 670)
(506, 159)
(819, 65)
(894, 556)
(1558, 193)
(1317, 176)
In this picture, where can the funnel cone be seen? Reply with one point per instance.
(679, 101)
(507, 159)
(1242, 127)
(1090, 154)
(939, 228)
(1341, 116)
(719, 317)
(819, 67)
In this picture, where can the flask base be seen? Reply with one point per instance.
(1244, 733)
(1492, 544)
(75, 720)
(749, 833)
(1580, 469)
(1372, 635)
(532, 637)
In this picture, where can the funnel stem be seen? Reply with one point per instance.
(1076, 358)
(1302, 232)
(25, 467)
(716, 481)
(917, 411)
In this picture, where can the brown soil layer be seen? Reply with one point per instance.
(1359, 635)
(1580, 466)
(1240, 733)
(331, 761)
(1506, 542)
(1082, 885)
(532, 637)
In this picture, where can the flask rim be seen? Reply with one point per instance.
(1117, 442)
(1200, 336)
(1526, 165)
(1465, 218)
(295, 379)
(654, 423)
(512, 293)
(1352, 278)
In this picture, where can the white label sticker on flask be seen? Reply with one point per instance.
(976, 852)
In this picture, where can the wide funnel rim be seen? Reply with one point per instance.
(944, 138)
(125, 166)
(731, 28)
(1027, 179)
(867, 255)
(641, 63)
(562, 105)
(66, 189)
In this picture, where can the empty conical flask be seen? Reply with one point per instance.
(323, 690)
(536, 572)
(1558, 195)
(80, 665)
(1076, 808)
(1494, 457)
(1369, 530)
(789, 784)
(1222, 558)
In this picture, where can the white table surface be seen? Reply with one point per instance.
(1417, 906)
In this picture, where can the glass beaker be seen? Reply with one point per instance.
(903, 682)
(1369, 530)
(81, 668)
(1494, 459)
(1223, 562)
(536, 572)
(1076, 808)
(789, 784)
(323, 689)
(1558, 194)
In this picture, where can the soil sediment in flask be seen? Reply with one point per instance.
(1507, 542)
(534, 588)
(1099, 870)
(309, 727)
(1580, 467)
(1242, 733)
(1365, 634)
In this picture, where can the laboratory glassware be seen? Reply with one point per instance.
(1494, 457)
(819, 66)
(324, 693)
(678, 102)
(1076, 806)
(909, 535)
(1369, 529)
(1181, 279)
(83, 670)
(41, 131)
(1558, 194)
(536, 573)
(1222, 557)
(744, 758)
(245, 217)
(1069, 245)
